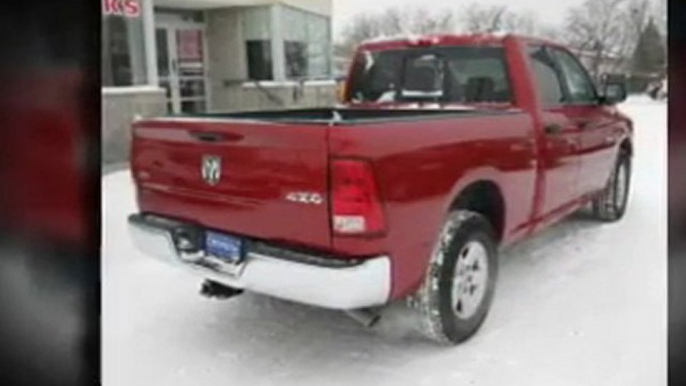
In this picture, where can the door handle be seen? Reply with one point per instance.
(207, 137)
(552, 128)
(216, 137)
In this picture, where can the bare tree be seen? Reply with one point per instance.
(611, 28)
(424, 22)
(522, 23)
(637, 16)
(477, 18)
(551, 32)
(641, 12)
(658, 11)
(634, 17)
(361, 27)
(599, 26)
(393, 22)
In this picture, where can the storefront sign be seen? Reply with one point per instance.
(127, 8)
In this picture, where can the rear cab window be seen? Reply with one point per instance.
(457, 74)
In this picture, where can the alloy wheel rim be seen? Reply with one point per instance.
(470, 279)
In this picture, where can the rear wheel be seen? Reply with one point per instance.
(611, 204)
(459, 285)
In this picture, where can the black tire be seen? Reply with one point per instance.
(611, 204)
(464, 233)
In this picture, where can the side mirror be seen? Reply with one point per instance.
(613, 89)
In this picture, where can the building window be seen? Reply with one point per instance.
(257, 32)
(296, 59)
(259, 59)
(123, 49)
(306, 44)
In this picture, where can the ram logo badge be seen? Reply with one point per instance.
(211, 169)
(309, 198)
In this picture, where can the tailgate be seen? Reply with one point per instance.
(241, 177)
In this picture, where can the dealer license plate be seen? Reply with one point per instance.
(225, 247)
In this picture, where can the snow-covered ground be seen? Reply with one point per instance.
(584, 303)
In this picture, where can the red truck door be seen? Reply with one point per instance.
(595, 122)
(560, 161)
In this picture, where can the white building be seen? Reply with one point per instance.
(186, 56)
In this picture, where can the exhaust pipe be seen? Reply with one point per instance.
(366, 317)
(213, 289)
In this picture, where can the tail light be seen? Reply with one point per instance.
(356, 208)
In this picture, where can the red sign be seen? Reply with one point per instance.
(189, 45)
(128, 8)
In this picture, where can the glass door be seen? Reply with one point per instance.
(181, 67)
(164, 66)
(190, 69)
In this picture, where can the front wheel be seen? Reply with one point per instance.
(611, 204)
(460, 281)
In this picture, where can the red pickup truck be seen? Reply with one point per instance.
(446, 149)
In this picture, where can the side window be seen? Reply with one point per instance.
(548, 79)
(578, 81)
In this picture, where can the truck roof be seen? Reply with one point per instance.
(391, 42)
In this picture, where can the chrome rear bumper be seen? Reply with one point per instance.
(344, 287)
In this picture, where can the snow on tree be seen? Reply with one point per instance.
(597, 26)
(611, 28)
(649, 57)
(473, 18)
(608, 29)
(395, 21)
(477, 18)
